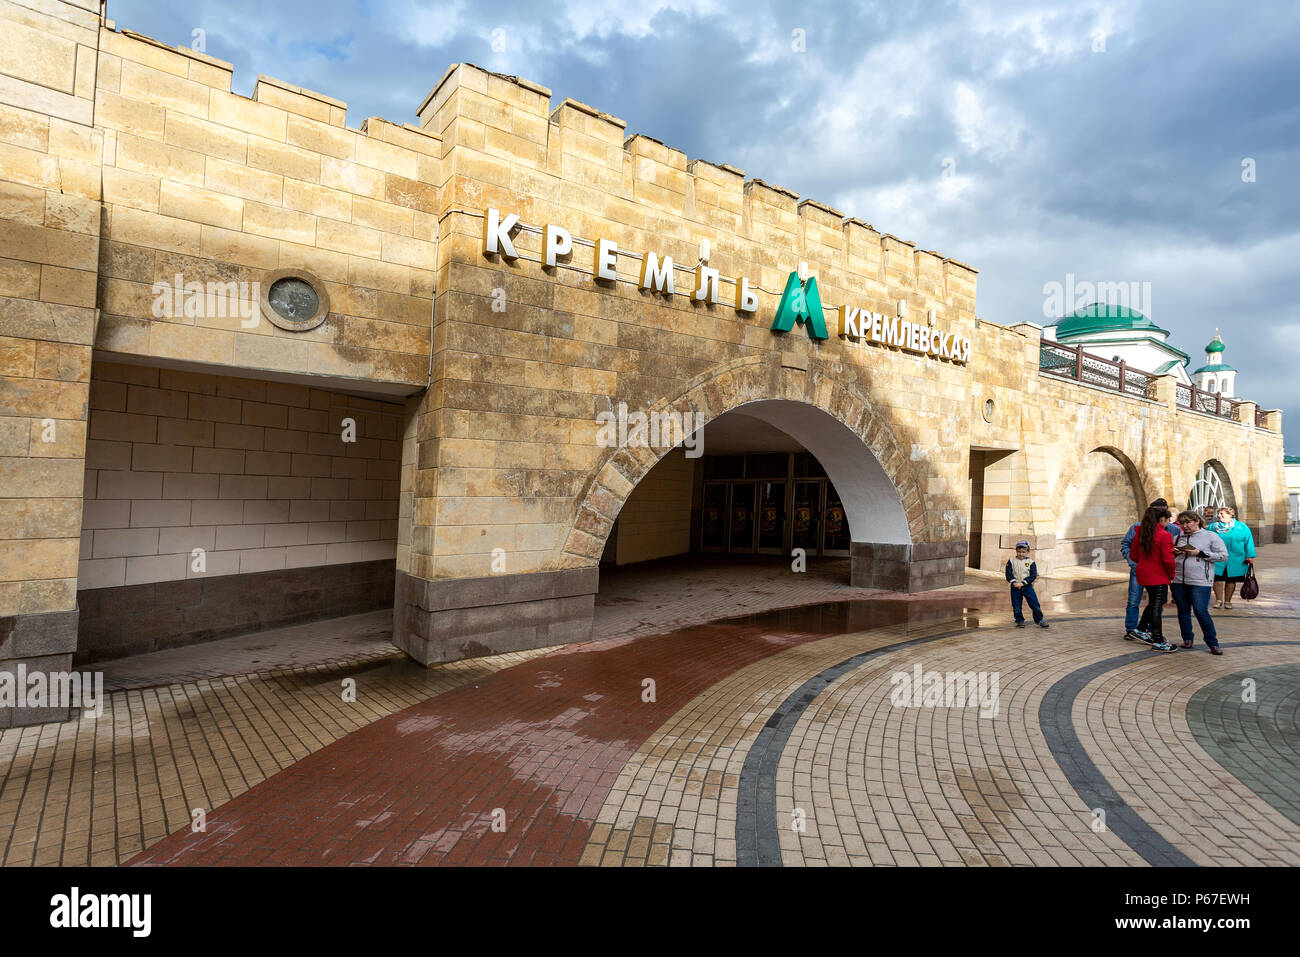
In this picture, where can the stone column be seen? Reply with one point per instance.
(1246, 413)
(49, 236)
(1166, 390)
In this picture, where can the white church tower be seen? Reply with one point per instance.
(1216, 375)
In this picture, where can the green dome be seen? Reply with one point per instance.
(1216, 344)
(1103, 317)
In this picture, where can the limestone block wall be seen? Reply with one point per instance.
(1054, 427)
(256, 474)
(656, 520)
(516, 390)
(214, 187)
(49, 249)
(1098, 501)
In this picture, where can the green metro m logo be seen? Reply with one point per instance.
(800, 303)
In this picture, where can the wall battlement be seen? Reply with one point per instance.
(511, 118)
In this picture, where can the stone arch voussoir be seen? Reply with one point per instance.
(710, 395)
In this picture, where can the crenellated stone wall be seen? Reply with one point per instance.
(505, 492)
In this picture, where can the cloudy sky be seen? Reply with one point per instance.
(1031, 140)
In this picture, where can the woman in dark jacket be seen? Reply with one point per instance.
(1153, 550)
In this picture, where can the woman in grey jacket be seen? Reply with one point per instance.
(1194, 557)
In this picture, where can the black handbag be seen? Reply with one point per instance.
(1250, 587)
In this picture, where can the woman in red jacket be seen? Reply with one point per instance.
(1153, 550)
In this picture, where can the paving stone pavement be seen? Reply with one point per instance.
(586, 771)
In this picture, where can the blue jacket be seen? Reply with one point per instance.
(1241, 545)
(1173, 528)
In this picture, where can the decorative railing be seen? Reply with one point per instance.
(1211, 403)
(1071, 362)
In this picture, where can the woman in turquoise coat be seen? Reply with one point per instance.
(1241, 554)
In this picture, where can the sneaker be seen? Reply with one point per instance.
(1161, 646)
(1042, 624)
(1136, 635)
(1020, 624)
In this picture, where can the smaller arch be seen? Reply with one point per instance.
(1075, 520)
(1140, 480)
(1211, 486)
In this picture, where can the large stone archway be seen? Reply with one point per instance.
(881, 485)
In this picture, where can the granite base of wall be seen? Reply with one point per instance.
(136, 619)
(1083, 551)
(30, 644)
(907, 568)
(997, 547)
(1281, 534)
(437, 621)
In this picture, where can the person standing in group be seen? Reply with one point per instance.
(1153, 550)
(1208, 517)
(1194, 557)
(1022, 572)
(1241, 553)
(1134, 589)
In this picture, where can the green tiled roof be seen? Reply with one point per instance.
(1103, 317)
(1221, 367)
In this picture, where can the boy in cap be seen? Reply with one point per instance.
(1022, 572)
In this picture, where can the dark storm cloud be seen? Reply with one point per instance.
(1114, 165)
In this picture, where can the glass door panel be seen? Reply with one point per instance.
(836, 536)
(806, 512)
(740, 536)
(713, 518)
(771, 517)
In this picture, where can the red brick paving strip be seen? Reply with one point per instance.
(544, 741)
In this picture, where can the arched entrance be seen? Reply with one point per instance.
(1211, 487)
(758, 509)
(758, 411)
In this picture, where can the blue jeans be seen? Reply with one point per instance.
(1194, 599)
(1025, 593)
(1131, 612)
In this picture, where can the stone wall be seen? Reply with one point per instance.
(1052, 427)
(49, 250)
(507, 495)
(1098, 501)
(215, 187)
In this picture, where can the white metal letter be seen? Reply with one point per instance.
(706, 285)
(556, 242)
(657, 274)
(606, 259)
(496, 234)
(746, 298)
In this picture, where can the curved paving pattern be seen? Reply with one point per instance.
(1258, 740)
(795, 706)
(534, 748)
(884, 785)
